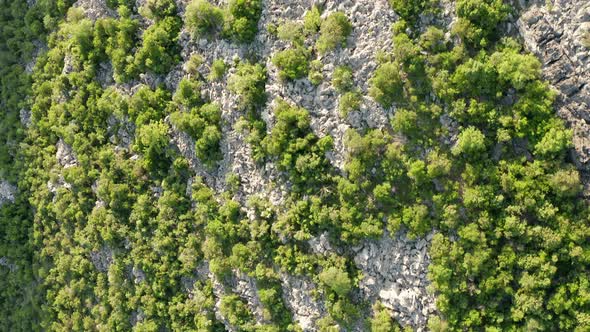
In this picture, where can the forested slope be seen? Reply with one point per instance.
(282, 165)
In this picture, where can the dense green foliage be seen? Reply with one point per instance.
(126, 236)
(159, 50)
(478, 20)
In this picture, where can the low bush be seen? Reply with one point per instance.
(386, 85)
(315, 75)
(349, 102)
(202, 18)
(249, 83)
(241, 22)
(342, 79)
(292, 63)
(218, 68)
(333, 32)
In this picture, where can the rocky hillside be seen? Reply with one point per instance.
(285, 165)
(558, 34)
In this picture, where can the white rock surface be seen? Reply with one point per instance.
(8, 264)
(65, 155)
(394, 270)
(7, 192)
(102, 259)
(297, 293)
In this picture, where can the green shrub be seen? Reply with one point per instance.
(119, 45)
(479, 20)
(193, 64)
(470, 141)
(333, 32)
(515, 69)
(556, 140)
(312, 20)
(291, 31)
(242, 21)
(315, 75)
(202, 18)
(409, 10)
(349, 102)
(203, 125)
(405, 122)
(236, 311)
(188, 93)
(292, 63)
(585, 39)
(382, 321)
(217, 70)
(566, 183)
(337, 280)
(249, 83)
(158, 9)
(299, 151)
(159, 49)
(386, 85)
(342, 79)
(151, 140)
(148, 105)
(433, 40)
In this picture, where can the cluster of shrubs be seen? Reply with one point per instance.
(239, 21)
(294, 62)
